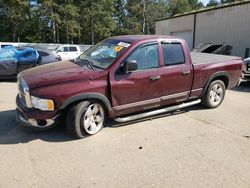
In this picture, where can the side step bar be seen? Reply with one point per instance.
(156, 112)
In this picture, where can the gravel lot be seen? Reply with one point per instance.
(193, 148)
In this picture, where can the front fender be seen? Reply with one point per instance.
(87, 96)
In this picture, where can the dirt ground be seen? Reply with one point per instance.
(194, 148)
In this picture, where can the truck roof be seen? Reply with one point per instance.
(136, 38)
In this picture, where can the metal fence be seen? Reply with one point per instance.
(49, 46)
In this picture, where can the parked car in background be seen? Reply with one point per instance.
(6, 44)
(125, 78)
(48, 56)
(14, 60)
(68, 52)
(246, 70)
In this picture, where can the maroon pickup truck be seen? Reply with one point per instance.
(124, 78)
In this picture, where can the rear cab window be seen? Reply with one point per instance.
(173, 54)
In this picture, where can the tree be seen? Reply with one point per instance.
(141, 15)
(70, 23)
(51, 13)
(182, 6)
(120, 16)
(212, 3)
(37, 29)
(96, 20)
(15, 15)
(227, 1)
(88, 21)
(154, 11)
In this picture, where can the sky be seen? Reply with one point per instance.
(205, 2)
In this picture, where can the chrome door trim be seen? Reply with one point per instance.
(151, 101)
(135, 104)
(194, 90)
(177, 95)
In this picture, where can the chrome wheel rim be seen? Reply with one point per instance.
(216, 94)
(93, 118)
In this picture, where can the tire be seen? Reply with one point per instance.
(85, 118)
(214, 95)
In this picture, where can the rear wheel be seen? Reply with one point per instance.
(85, 118)
(214, 95)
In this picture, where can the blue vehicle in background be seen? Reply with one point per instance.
(14, 60)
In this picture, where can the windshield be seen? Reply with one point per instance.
(103, 54)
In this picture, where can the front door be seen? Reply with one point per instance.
(63, 52)
(138, 90)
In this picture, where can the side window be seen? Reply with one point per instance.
(27, 54)
(41, 53)
(72, 49)
(173, 54)
(65, 49)
(147, 57)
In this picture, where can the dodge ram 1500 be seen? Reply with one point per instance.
(124, 78)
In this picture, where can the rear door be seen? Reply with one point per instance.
(177, 73)
(138, 90)
(74, 52)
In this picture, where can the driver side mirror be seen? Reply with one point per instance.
(130, 66)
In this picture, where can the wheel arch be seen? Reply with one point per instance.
(87, 96)
(223, 76)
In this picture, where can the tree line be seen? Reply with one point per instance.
(85, 21)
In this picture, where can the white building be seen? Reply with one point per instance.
(227, 24)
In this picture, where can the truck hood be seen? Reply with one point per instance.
(58, 72)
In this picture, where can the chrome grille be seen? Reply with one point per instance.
(248, 67)
(23, 91)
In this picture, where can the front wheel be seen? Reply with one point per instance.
(85, 118)
(214, 95)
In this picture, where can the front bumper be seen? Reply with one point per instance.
(33, 117)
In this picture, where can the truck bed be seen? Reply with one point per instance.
(200, 58)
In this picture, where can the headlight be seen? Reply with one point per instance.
(42, 104)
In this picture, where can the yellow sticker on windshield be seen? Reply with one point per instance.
(118, 48)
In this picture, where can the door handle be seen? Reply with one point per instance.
(154, 78)
(185, 73)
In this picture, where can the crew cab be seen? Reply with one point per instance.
(124, 78)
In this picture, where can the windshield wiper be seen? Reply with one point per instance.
(86, 62)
